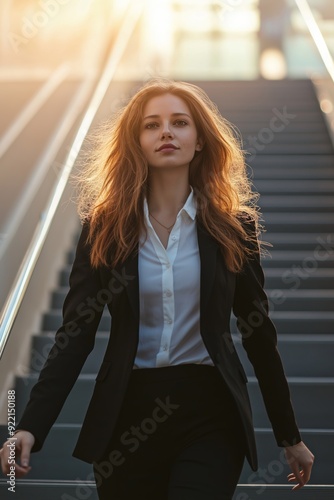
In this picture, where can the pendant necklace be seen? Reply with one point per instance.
(169, 228)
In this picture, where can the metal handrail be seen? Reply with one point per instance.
(317, 36)
(21, 282)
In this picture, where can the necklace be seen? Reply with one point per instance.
(169, 228)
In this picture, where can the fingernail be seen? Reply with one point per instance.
(25, 463)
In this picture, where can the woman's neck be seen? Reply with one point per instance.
(167, 192)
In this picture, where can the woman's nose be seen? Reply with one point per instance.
(166, 131)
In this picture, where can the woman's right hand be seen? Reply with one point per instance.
(19, 446)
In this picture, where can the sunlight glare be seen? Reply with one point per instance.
(273, 65)
(158, 33)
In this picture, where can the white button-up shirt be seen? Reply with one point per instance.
(169, 291)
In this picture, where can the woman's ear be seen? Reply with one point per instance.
(200, 144)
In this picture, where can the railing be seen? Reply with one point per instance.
(323, 85)
(21, 282)
(317, 36)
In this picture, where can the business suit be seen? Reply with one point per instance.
(220, 292)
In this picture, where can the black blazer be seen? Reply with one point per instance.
(221, 291)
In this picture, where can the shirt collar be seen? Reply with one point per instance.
(190, 207)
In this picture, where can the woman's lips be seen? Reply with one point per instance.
(167, 147)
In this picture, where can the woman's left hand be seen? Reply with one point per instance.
(300, 460)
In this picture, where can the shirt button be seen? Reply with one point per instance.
(167, 265)
(165, 347)
(173, 238)
(168, 293)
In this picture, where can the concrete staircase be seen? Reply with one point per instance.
(293, 169)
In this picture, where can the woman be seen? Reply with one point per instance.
(169, 244)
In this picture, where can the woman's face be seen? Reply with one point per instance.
(168, 135)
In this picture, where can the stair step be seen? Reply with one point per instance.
(320, 244)
(285, 162)
(29, 489)
(286, 137)
(293, 173)
(300, 277)
(282, 492)
(304, 259)
(276, 146)
(257, 93)
(297, 300)
(55, 460)
(302, 322)
(307, 355)
(33, 489)
(264, 116)
(254, 127)
(299, 222)
(318, 392)
(294, 186)
(283, 203)
(298, 89)
(302, 356)
(313, 402)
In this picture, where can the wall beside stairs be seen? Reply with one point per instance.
(291, 161)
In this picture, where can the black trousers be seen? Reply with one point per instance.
(178, 437)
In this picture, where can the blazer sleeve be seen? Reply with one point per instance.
(259, 339)
(74, 340)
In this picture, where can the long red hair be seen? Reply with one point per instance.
(113, 182)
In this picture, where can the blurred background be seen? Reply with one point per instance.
(181, 38)
(66, 65)
(184, 39)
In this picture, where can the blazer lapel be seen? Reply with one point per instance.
(208, 249)
(130, 269)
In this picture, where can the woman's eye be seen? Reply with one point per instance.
(181, 123)
(151, 125)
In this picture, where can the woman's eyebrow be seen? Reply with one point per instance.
(173, 114)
